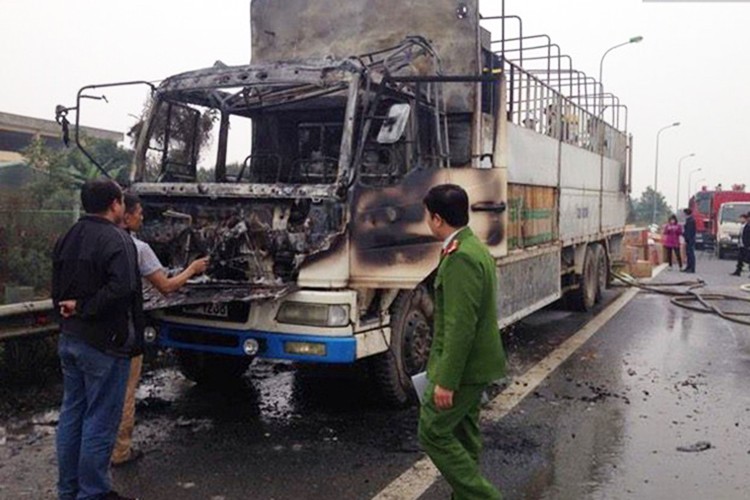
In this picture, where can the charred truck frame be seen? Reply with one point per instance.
(318, 242)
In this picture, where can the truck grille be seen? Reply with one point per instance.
(232, 312)
(195, 337)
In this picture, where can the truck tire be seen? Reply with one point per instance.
(211, 369)
(602, 272)
(411, 338)
(583, 298)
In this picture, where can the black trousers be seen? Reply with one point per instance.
(676, 252)
(743, 256)
(690, 252)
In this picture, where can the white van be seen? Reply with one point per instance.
(728, 232)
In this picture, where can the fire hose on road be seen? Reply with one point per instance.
(692, 299)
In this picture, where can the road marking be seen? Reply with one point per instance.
(420, 476)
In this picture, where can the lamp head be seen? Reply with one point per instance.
(636, 39)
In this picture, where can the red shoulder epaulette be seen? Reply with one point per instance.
(452, 247)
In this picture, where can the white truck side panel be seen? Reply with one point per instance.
(581, 169)
(579, 214)
(614, 176)
(532, 157)
(614, 206)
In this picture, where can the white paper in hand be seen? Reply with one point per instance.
(420, 385)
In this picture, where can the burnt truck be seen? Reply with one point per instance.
(347, 114)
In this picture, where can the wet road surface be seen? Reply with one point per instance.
(626, 415)
(606, 424)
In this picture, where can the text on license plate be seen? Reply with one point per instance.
(215, 310)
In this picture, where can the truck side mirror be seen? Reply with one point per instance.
(394, 124)
(61, 118)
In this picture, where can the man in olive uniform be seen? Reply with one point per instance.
(467, 353)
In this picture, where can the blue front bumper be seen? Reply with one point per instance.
(340, 350)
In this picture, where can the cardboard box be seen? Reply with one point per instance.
(641, 269)
(633, 254)
(635, 237)
(655, 254)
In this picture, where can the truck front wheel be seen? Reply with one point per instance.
(411, 338)
(211, 369)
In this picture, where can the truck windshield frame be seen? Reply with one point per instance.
(731, 212)
(301, 132)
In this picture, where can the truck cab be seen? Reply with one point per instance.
(729, 226)
(315, 233)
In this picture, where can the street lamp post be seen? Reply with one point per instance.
(634, 39)
(679, 175)
(690, 181)
(656, 166)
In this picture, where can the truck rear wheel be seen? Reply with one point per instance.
(411, 338)
(584, 297)
(602, 272)
(211, 369)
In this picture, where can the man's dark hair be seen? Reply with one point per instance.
(449, 202)
(131, 202)
(98, 194)
(688, 211)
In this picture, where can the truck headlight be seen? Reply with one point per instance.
(250, 347)
(149, 334)
(304, 313)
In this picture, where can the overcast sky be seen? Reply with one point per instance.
(691, 66)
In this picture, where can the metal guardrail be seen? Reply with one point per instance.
(27, 319)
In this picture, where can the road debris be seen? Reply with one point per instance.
(696, 448)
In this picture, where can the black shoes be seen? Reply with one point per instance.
(736, 273)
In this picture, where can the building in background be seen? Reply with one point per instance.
(17, 132)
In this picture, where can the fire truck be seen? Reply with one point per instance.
(705, 205)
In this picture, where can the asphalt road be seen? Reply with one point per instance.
(609, 422)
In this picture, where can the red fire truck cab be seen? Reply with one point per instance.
(705, 206)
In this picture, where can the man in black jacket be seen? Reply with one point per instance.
(689, 235)
(97, 290)
(743, 244)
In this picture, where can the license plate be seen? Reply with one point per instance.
(213, 310)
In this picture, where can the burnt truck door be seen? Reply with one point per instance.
(392, 246)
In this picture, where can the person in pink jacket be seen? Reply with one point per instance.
(671, 240)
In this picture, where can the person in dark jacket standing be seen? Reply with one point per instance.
(96, 288)
(743, 245)
(467, 353)
(689, 235)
